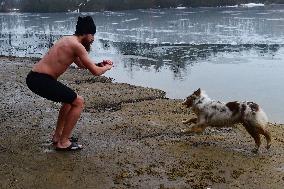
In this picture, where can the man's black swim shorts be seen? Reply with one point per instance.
(47, 87)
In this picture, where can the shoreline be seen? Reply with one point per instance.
(131, 137)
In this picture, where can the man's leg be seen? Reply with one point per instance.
(71, 119)
(62, 117)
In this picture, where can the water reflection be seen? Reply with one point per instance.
(176, 57)
(179, 58)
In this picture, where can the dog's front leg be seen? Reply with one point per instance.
(198, 128)
(192, 120)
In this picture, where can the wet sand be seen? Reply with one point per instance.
(132, 139)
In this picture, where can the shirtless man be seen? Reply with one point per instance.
(42, 80)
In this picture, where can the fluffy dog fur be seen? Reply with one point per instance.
(218, 114)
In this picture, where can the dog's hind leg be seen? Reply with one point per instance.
(267, 135)
(253, 131)
(192, 120)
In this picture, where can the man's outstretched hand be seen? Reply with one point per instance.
(109, 62)
(105, 63)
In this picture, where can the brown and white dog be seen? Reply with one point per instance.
(218, 114)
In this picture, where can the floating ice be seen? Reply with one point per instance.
(249, 5)
(180, 8)
(275, 19)
(59, 21)
(233, 6)
(129, 20)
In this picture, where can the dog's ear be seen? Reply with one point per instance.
(198, 92)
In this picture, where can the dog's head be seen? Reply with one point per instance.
(193, 97)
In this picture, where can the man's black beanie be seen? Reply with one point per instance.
(85, 25)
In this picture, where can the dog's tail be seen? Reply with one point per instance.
(254, 114)
(256, 123)
(261, 118)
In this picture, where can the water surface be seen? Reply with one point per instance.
(232, 53)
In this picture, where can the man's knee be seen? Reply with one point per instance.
(79, 101)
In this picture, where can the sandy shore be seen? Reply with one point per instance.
(132, 139)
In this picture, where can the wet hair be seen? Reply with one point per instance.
(85, 25)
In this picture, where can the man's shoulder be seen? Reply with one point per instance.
(71, 41)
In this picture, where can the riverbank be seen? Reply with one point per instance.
(131, 137)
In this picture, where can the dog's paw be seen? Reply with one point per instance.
(186, 131)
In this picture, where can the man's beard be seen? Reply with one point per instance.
(87, 45)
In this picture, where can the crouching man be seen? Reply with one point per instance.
(42, 79)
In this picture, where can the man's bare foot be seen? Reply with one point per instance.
(73, 146)
(71, 139)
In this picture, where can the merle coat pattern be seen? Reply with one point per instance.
(219, 114)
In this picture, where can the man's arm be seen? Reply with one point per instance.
(85, 61)
(79, 63)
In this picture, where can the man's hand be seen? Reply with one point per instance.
(108, 66)
(105, 63)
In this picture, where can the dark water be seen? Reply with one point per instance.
(232, 53)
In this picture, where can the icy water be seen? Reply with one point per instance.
(232, 53)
